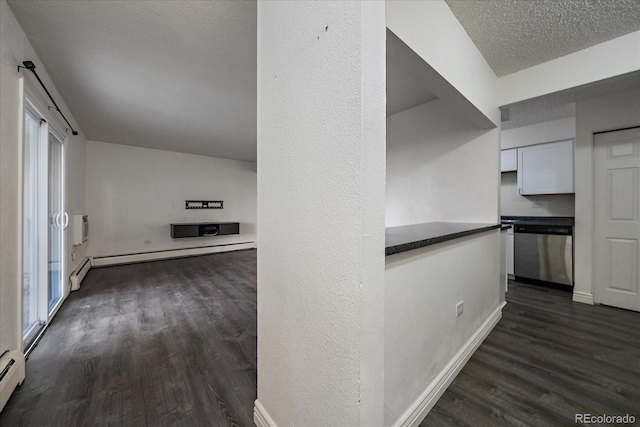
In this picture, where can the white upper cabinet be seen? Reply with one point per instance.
(546, 168)
(509, 160)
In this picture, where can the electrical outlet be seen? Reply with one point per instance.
(459, 308)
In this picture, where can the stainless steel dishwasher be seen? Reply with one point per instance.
(544, 252)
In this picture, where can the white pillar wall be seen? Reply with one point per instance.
(321, 203)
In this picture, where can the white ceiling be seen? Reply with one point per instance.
(171, 75)
(181, 75)
(516, 34)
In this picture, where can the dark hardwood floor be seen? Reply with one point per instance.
(173, 343)
(167, 343)
(548, 359)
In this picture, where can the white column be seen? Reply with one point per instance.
(321, 181)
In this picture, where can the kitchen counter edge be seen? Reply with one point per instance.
(409, 237)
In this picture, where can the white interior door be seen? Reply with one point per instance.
(616, 218)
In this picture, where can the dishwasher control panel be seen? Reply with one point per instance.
(544, 229)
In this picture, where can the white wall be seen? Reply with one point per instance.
(134, 194)
(514, 204)
(75, 195)
(431, 29)
(440, 167)
(610, 112)
(15, 48)
(321, 171)
(422, 333)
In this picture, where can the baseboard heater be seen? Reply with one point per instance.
(107, 260)
(77, 276)
(9, 377)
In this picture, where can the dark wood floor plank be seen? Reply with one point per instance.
(453, 409)
(168, 343)
(511, 408)
(557, 406)
(582, 340)
(173, 343)
(546, 360)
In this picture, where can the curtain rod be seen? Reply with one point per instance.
(32, 67)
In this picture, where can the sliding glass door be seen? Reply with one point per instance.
(58, 221)
(32, 319)
(44, 221)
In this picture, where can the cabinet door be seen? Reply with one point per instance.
(509, 160)
(510, 254)
(546, 168)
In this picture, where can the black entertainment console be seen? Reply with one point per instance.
(206, 229)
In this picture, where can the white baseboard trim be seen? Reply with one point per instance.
(427, 400)
(583, 297)
(102, 261)
(261, 417)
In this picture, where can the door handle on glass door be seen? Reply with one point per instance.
(66, 221)
(55, 219)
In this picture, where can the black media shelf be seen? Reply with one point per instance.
(205, 229)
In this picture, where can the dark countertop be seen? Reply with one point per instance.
(409, 237)
(565, 221)
(506, 227)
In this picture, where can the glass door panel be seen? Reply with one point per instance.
(58, 220)
(31, 311)
(44, 221)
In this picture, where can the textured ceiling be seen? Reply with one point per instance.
(172, 75)
(562, 104)
(516, 34)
